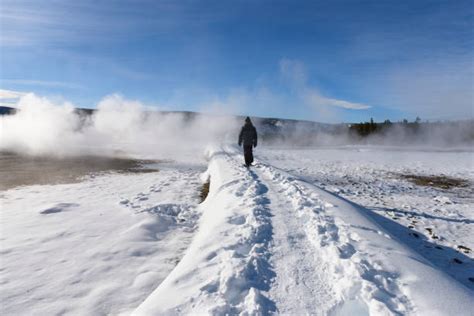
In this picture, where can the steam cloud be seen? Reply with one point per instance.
(122, 127)
(118, 127)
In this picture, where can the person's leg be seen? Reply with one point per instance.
(247, 154)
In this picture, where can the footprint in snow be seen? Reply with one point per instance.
(211, 287)
(124, 202)
(464, 249)
(237, 220)
(346, 251)
(431, 233)
(58, 208)
(154, 188)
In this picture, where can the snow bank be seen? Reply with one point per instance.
(93, 248)
(225, 269)
(109, 245)
(230, 268)
(369, 267)
(434, 221)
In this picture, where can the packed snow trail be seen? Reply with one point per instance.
(333, 248)
(302, 285)
(225, 269)
(270, 243)
(371, 272)
(436, 222)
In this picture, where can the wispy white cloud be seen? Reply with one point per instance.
(10, 97)
(294, 73)
(10, 94)
(43, 83)
(316, 99)
(8, 104)
(27, 22)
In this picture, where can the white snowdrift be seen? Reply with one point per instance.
(366, 263)
(231, 264)
(93, 248)
(436, 222)
(225, 269)
(266, 242)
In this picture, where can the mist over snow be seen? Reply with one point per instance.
(118, 127)
(123, 127)
(449, 134)
(459, 134)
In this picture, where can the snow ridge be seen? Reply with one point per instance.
(268, 242)
(264, 242)
(355, 278)
(373, 273)
(226, 269)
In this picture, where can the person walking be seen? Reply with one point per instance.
(248, 137)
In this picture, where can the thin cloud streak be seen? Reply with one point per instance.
(294, 73)
(25, 23)
(377, 59)
(316, 99)
(10, 94)
(44, 83)
(9, 104)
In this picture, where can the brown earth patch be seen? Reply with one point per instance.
(18, 170)
(205, 190)
(443, 182)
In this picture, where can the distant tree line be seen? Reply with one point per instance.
(371, 127)
(447, 131)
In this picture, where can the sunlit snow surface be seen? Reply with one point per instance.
(433, 220)
(305, 231)
(96, 247)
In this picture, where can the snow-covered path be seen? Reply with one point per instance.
(265, 241)
(272, 243)
(368, 269)
(301, 285)
(434, 221)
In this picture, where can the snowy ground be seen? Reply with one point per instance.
(96, 247)
(437, 222)
(325, 231)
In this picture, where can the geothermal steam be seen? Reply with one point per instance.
(118, 127)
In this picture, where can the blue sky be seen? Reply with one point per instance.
(328, 61)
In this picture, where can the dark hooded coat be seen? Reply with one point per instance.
(248, 134)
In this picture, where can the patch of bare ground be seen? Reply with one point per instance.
(205, 190)
(441, 181)
(19, 170)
